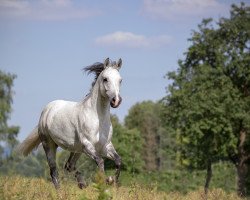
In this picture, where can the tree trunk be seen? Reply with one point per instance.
(242, 170)
(241, 166)
(209, 176)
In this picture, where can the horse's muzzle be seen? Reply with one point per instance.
(115, 101)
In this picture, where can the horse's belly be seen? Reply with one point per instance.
(67, 143)
(72, 148)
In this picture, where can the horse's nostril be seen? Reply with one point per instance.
(113, 100)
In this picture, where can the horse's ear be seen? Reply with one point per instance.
(106, 63)
(119, 64)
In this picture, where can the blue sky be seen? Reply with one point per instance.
(46, 43)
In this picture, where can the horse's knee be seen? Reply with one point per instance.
(100, 162)
(118, 162)
(53, 172)
(69, 167)
(54, 176)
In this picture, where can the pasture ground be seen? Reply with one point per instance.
(17, 188)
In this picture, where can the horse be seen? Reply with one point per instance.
(81, 127)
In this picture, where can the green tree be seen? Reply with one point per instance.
(128, 144)
(8, 133)
(209, 100)
(33, 165)
(146, 117)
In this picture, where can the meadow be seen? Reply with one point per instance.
(197, 130)
(17, 187)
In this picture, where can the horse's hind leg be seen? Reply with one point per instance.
(71, 166)
(50, 150)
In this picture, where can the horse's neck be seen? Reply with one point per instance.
(99, 103)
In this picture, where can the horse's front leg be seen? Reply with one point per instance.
(89, 149)
(113, 155)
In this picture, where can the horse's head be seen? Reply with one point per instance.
(111, 82)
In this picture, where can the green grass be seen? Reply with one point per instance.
(184, 181)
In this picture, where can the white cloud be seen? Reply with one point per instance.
(121, 39)
(53, 10)
(182, 9)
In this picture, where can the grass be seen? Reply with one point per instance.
(18, 188)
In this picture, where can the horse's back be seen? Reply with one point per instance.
(57, 121)
(57, 108)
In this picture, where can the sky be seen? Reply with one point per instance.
(46, 43)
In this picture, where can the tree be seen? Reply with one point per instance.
(8, 133)
(146, 117)
(209, 100)
(128, 144)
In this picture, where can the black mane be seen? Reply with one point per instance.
(96, 68)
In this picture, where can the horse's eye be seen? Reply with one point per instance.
(105, 80)
(120, 81)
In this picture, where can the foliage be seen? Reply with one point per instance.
(8, 133)
(32, 166)
(101, 186)
(209, 99)
(146, 117)
(128, 144)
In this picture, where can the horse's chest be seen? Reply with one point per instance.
(103, 135)
(97, 130)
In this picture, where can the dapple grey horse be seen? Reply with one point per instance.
(81, 127)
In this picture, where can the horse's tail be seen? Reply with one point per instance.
(30, 143)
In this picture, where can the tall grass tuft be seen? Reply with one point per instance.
(101, 187)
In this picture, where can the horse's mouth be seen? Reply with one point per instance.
(115, 103)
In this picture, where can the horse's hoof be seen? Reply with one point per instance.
(57, 187)
(56, 183)
(110, 180)
(82, 185)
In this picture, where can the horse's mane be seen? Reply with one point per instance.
(96, 68)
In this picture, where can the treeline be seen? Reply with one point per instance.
(200, 128)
